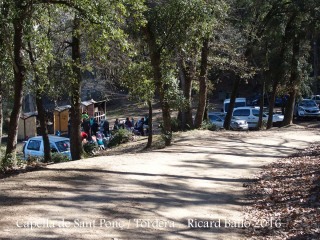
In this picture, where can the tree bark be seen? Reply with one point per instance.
(40, 108)
(227, 120)
(1, 114)
(75, 111)
(203, 84)
(280, 69)
(260, 121)
(43, 127)
(19, 78)
(150, 129)
(161, 87)
(4, 15)
(186, 77)
(294, 82)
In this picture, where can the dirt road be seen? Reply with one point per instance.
(191, 190)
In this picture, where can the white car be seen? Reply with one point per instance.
(34, 146)
(236, 123)
(251, 115)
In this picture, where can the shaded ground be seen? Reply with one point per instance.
(151, 195)
(288, 191)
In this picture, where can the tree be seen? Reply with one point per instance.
(138, 79)
(21, 12)
(5, 70)
(99, 13)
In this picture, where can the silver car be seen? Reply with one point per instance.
(307, 108)
(236, 123)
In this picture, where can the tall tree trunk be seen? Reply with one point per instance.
(161, 87)
(150, 129)
(294, 82)
(260, 121)
(203, 83)
(3, 22)
(1, 114)
(281, 69)
(40, 108)
(19, 78)
(186, 76)
(235, 88)
(75, 111)
(187, 93)
(182, 77)
(43, 127)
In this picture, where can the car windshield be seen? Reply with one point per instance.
(308, 104)
(63, 146)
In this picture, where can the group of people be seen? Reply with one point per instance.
(137, 127)
(131, 125)
(93, 131)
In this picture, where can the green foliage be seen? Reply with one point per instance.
(175, 124)
(59, 157)
(119, 137)
(207, 125)
(173, 94)
(138, 80)
(33, 160)
(7, 162)
(90, 147)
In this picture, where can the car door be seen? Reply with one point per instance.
(216, 120)
(34, 148)
(254, 117)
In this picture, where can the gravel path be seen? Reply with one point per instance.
(170, 193)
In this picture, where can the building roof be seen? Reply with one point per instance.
(89, 102)
(62, 108)
(29, 114)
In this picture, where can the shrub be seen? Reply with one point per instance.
(175, 124)
(120, 136)
(59, 157)
(32, 160)
(208, 126)
(7, 162)
(90, 148)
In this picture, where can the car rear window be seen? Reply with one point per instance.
(34, 145)
(63, 146)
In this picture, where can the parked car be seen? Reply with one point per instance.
(236, 124)
(251, 115)
(306, 108)
(34, 146)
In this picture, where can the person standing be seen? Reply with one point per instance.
(86, 127)
(105, 126)
(94, 127)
